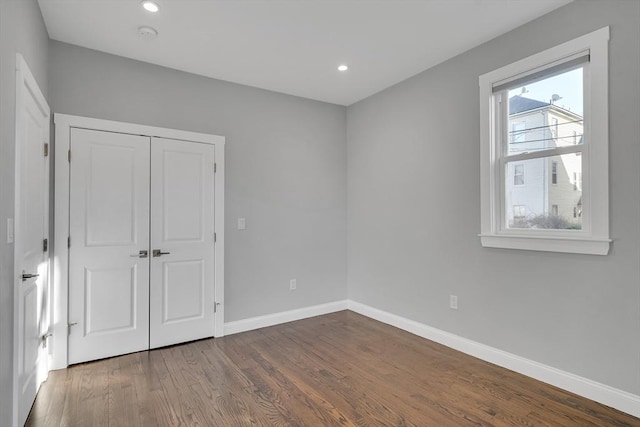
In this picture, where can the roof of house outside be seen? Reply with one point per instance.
(518, 104)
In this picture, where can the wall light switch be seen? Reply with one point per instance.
(242, 224)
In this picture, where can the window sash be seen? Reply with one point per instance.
(502, 134)
(501, 216)
(502, 131)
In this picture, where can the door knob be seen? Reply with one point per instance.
(141, 254)
(158, 252)
(26, 276)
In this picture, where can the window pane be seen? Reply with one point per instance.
(518, 174)
(546, 113)
(549, 198)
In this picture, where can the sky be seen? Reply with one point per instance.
(568, 85)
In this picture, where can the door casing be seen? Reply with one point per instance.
(63, 125)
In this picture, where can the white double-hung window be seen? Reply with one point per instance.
(547, 114)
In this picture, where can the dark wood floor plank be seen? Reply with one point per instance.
(341, 369)
(300, 404)
(372, 367)
(360, 388)
(229, 376)
(260, 388)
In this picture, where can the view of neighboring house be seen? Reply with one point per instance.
(543, 192)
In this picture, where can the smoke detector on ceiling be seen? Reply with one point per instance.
(147, 33)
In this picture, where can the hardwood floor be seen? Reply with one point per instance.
(341, 369)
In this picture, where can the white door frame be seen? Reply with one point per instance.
(25, 84)
(63, 125)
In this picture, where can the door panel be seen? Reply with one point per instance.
(182, 223)
(111, 297)
(183, 291)
(183, 195)
(111, 203)
(109, 226)
(32, 192)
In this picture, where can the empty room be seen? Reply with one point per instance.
(319, 213)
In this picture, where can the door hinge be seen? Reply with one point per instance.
(44, 338)
(215, 306)
(69, 156)
(215, 167)
(45, 245)
(69, 242)
(215, 237)
(46, 149)
(69, 325)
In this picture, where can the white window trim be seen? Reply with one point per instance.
(594, 238)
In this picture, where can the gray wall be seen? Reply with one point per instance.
(285, 164)
(22, 31)
(414, 212)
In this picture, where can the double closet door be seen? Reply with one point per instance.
(141, 257)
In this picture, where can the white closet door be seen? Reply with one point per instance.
(109, 226)
(182, 239)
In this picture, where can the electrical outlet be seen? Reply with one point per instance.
(453, 302)
(242, 223)
(292, 284)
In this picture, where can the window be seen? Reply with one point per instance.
(518, 212)
(518, 174)
(554, 127)
(518, 132)
(558, 99)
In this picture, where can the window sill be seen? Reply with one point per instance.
(547, 244)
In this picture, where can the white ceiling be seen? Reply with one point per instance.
(293, 46)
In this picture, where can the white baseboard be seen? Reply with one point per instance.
(283, 317)
(618, 399)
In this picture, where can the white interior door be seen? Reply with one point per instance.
(109, 227)
(182, 241)
(31, 258)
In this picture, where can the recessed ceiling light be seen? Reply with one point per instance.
(342, 67)
(150, 6)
